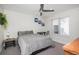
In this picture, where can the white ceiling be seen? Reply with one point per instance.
(33, 8)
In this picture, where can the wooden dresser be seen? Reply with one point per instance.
(72, 48)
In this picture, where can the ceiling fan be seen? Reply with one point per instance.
(43, 10)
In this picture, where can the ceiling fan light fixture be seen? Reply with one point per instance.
(40, 13)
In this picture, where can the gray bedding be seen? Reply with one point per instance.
(32, 42)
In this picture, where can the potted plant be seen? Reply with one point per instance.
(3, 20)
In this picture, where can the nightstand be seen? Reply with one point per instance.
(9, 42)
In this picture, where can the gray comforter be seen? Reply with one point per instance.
(33, 42)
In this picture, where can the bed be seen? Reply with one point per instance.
(30, 42)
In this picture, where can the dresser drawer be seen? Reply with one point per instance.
(9, 43)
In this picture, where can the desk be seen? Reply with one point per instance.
(72, 48)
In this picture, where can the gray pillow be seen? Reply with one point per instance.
(43, 33)
(20, 33)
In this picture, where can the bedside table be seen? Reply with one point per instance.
(9, 42)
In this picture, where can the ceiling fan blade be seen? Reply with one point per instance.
(42, 9)
(48, 10)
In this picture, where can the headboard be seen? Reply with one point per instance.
(20, 33)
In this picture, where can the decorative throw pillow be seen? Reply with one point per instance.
(20, 33)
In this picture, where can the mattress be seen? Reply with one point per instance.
(33, 42)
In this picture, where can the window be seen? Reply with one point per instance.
(61, 26)
(56, 26)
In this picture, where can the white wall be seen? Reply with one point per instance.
(21, 22)
(1, 8)
(73, 26)
(1, 34)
